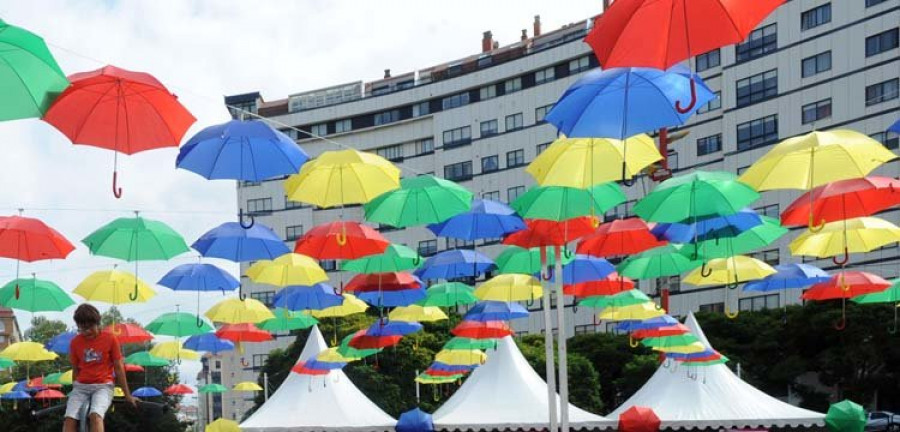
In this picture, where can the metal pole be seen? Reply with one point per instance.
(563, 363)
(266, 385)
(418, 398)
(548, 350)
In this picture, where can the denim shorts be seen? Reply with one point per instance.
(99, 396)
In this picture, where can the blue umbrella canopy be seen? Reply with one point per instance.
(486, 219)
(585, 268)
(895, 128)
(208, 342)
(233, 242)
(60, 343)
(648, 324)
(384, 327)
(316, 297)
(15, 394)
(199, 277)
(789, 276)
(496, 311)
(415, 420)
(392, 298)
(686, 232)
(443, 367)
(456, 263)
(146, 392)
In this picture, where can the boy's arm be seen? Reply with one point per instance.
(119, 366)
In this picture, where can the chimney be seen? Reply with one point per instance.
(537, 25)
(487, 42)
(387, 73)
(524, 34)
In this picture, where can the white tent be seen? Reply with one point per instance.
(318, 403)
(506, 393)
(712, 397)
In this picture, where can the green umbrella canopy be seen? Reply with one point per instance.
(449, 294)
(35, 295)
(5, 363)
(178, 324)
(720, 360)
(420, 200)
(348, 351)
(213, 388)
(846, 416)
(732, 243)
(144, 358)
(627, 298)
(286, 320)
(30, 79)
(890, 295)
(396, 258)
(461, 343)
(660, 261)
(558, 203)
(670, 341)
(695, 195)
(53, 378)
(515, 259)
(136, 239)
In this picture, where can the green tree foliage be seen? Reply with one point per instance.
(43, 329)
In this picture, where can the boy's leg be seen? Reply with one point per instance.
(96, 422)
(78, 399)
(101, 399)
(70, 425)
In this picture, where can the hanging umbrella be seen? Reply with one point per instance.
(663, 342)
(302, 369)
(730, 241)
(236, 311)
(661, 332)
(449, 294)
(462, 343)
(625, 298)
(636, 312)
(639, 419)
(585, 268)
(199, 277)
(696, 195)
(6, 363)
(487, 219)
(173, 350)
(395, 258)
(890, 295)
(612, 284)
(60, 343)
(178, 324)
(286, 320)
(844, 199)
(687, 232)
(730, 271)
(213, 388)
(846, 416)
(558, 203)
(350, 306)
(28, 239)
(136, 239)
(129, 333)
(27, 352)
(377, 282)
(235, 243)
(66, 378)
(510, 287)
(15, 395)
(34, 295)
(416, 313)
(384, 327)
(120, 110)
(178, 389)
(895, 128)
(348, 351)
(146, 359)
(424, 378)
(288, 269)
(31, 77)
(842, 286)
(845, 237)
(341, 240)
(208, 342)
(114, 287)
(223, 425)
(247, 386)
(332, 355)
(49, 394)
(316, 297)
(8, 387)
(496, 311)
(133, 368)
(146, 392)
(362, 341)
(481, 330)
(585, 162)
(437, 366)
(243, 332)
(789, 276)
(514, 259)
(644, 324)
(316, 364)
(542, 233)
(461, 357)
(337, 178)
(619, 237)
(455, 263)
(420, 200)
(383, 299)
(667, 260)
(415, 420)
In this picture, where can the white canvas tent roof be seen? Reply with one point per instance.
(318, 403)
(714, 398)
(506, 393)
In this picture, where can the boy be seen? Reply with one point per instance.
(94, 355)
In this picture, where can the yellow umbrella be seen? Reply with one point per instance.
(638, 312)
(6, 388)
(845, 237)
(222, 425)
(816, 158)
(342, 177)
(237, 311)
(332, 355)
(173, 350)
(431, 379)
(584, 162)
(461, 357)
(288, 269)
(27, 352)
(417, 313)
(728, 271)
(509, 288)
(118, 392)
(247, 386)
(115, 287)
(693, 348)
(66, 378)
(351, 305)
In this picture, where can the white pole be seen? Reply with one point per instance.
(418, 398)
(548, 357)
(739, 370)
(563, 363)
(266, 385)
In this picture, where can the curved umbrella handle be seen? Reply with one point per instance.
(199, 322)
(575, 307)
(242, 296)
(117, 191)
(567, 253)
(626, 182)
(632, 342)
(342, 236)
(133, 296)
(687, 109)
(731, 315)
(658, 306)
(844, 261)
(246, 225)
(841, 324)
(341, 289)
(813, 228)
(17, 291)
(548, 274)
(530, 302)
(244, 362)
(705, 271)
(417, 260)
(595, 221)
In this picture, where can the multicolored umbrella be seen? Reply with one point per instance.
(449, 294)
(542, 233)
(644, 324)
(558, 203)
(129, 333)
(667, 260)
(348, 351)
(585, 162)
(208, 342)
(420, 200)
(302, 369)
(454, 264)
(233, 242)
(286, 320)
(844, 199)
(846, 416)
(341, 240)
(693, 196)
(34, 295)
(619, 237)
(338, 178)
(178, 324)
(114, 287)
(481, 330)
(316, 297)
(486, 219)
(661, 332)
(509, 288)
(496, 311)
(32, 78)
(395, 258)
(288, 269)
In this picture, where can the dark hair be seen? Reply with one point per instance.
(87, 316)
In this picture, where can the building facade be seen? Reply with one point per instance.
(9, 328)
(478, 121)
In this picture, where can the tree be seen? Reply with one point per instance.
(43, 329)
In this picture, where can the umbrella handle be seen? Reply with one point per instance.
(705, 271)
(244, 363)
(417, 260)
(199, 322)
(687, 109)
(632, 342)
(242, 296)
(731, 315)
(841, 324)
(117, 191)
(566, 253)
(530, 302)
(626, 182)
(246, 225)
(133, 296)
(844, 261)
(547, 275)
(17, 291)
(811, 225)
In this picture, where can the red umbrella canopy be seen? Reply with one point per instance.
(613, 283)
(841, 200)
(29, 239)
(712, 357)
(301, 369)
(178, 389)
(662, 33)
(393, 281)
(674, 330)
(846, 285)
(638, 419)
(38, 384)
(341, 240)
(243, 332)
(128, 333)
(133, 368)
(361, 340)
(482, 329)
(49, 394)
(438, 372)
(540, 232)
(619, 237)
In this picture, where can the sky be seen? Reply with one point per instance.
(202, 50)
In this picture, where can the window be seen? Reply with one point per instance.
(713, 307)
(264, 297)
(771, 257)
(514, 193)
(328, 265)
(427, 247)
(742, 170)
(458, 171)
(319, 129)
(293, 232)
(514, 121)
(453, 243)
(620, 211)
(492, 195)
(341, 126)
(815, 17)
(759, 303)
(456, 100)
(545, 75)
(218, 367)
(540, 148)
(816, 64)
(882, 42)
(512, 85)
(259, 360)
(757, 132)
(248, 183)
(585, 329)
(259, 205)
(391, 153)
(457, 137)
(757, 88)
(870, 3)
(515, 158)
(487, 92)
(488, 128)
(708, 145)
(541, 112)
(490, 164)
(881, 92)
(771, 210)
(387, 117)
(579, 65)
(425, 146)
(712, 105)
(708, 60)
(760, 42)
(890, 142)
(421, 108)
(672, 283)
(816, 111)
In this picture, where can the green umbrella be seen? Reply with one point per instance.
(466, 344)
(53, 378)
(348, 351)
(733, 242)
(695, 195)
(420, 200)
(178, 324)
(890, 295)
(627, 298)
(449, 294)
(34, 295)
(213, 388)
(670, 341)
(558, 203)
(5, 363)
(657, 262)
(286, 320)
(30, 79)
(144, 358)
(846, 416)
(515, 259)
(721, 360)
(136, 239)
(396, 258)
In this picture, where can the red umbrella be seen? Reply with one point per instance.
(28, 239)
(482, 329)
(613, 283)
(673, 330)
(841, 200)
(301, 369)
(845, 285)
(361, 340)
(638, 419)
(393, 281)
(38, 384)
(133, 368)
(619, 237)
(243, 332)
(438, 372)
(341, 240)
(124, 111)
(50, 394)
(542, 233)
(178, 389)
(128, 333)
(712, 357)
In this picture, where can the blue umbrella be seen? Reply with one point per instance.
(648, 324)
(486, 219)
(456, 263)
(60, 343)
(199, 277)
(392, 298)
(321, 365)
(496, 311)
(443, 367)
(147, 392)
(895, 128)
(586, 268)
(384, 327)
(22, 386)
(208, 342)
(316, 297)
(685, 233)
(683, 357)
(415, 420)
(15, 394)
(232, 242)
(789, 276)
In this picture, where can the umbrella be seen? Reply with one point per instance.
(496, 311)
(510, 287)
(199, 277)
(585, 268)
(247, 386)
(350, 306)
(393, 298)
(730, 241)
(178, 324)
(661, 332)
(243, 332)
(449, 294)
(895, 128)
(644, 324)
(60, 343)
(341, 240)
(178, 389)
(462, 343)
(395, 258)
(235, 311)
(377, 282)
(31, 77)
(542, 233)
(34, 295)
(16, 394)
(8, 387)
(348, 351)
(145, 358)
(213, 388)
(696, 195)
(789, 276)
(846, 416)
(730, 271)
(558, 203)
(455, 263)
(416, 313)
(146, 392)
(384, 327)
(120, 110)
(845, 237)
(636, 312)
(49, 394)
(28, 239)
(286, 320)
(233, 242)
(316, 297)
(667, 260)
(487, 219)
(362, 341)
(133, 368)
(288, 269)
(424, 378)
(624, 298)
(584, 162)
(514, 259)
(842, 286)
(333, 355)
(679, 340)
(415, 420)
(844, 199)
(337, 178)
(114, 287)
(639, 419)
(686, 232)
(173, 350)
(890, 295)
(223, 425)
(27, 352)
(302, 369)
(461, 357)
(420, 200)
(129, 333)
(208, 342)
(6, 363)
(437, 366)
(619, 237)
(481, 330)
(613, 283)
(66, 378)
(136, 239)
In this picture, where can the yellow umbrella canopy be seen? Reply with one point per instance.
(288, 269)
(417, 313)
(222, 425)
(332, 355)
(6, 388)
(342, 177)
(351, 305)
(584, 162)
(509, 288)
(811, 160)
(731, 270)
(237, 311)
(693, 348)
(173, 350)
(845, 237)
(66, 378)
(114, 287)
(247, 386)
(461, 357)
(27, 352)
(118, 392)
(638, 312)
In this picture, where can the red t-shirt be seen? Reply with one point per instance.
(94, 358)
